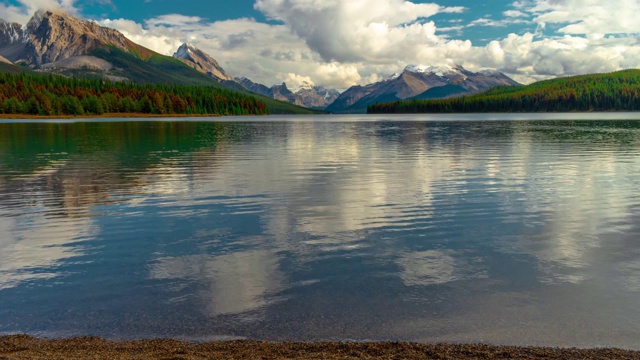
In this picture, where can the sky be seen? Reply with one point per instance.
(340, 43)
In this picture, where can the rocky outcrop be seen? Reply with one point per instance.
(201, 61)
(80, 62)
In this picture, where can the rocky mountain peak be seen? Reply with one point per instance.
(53, 35)
(201, 61)
(36, 20)
(184, 51)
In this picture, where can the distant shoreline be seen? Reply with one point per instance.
(26, 347)
(102, 116)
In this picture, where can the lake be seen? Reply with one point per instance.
(505, 229)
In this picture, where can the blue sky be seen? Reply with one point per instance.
(340, 43)
(139, 10)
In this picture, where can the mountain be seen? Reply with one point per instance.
(52, 36)
(596, 92)
(254, 87)
(313, 97)
(201, 61)
(56, 42)
(419, 82)
(316, 97)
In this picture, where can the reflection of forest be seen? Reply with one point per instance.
(52, 175)
(322, 188)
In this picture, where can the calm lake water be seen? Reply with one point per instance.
(463, 228)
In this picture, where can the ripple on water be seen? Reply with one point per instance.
(411, 228)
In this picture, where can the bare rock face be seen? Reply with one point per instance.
(201, 61)
(12, 40)
(52, 36)
(281, 92)
(10, 32)
(80, 62)
(314, 97)
(58, 36)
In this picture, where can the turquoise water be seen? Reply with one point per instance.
(508, 229)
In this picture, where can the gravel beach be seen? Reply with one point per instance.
(26, 347)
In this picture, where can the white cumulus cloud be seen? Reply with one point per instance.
(336, 43)
(589, 16)
(357, 30)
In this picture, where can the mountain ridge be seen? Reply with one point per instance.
(415, 81)
(313, 97)
(201, 61)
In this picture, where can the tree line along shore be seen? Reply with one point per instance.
(618, 91)
(58, 96)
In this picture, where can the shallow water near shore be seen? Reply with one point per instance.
(509, 229)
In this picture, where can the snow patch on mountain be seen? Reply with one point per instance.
(424, 69)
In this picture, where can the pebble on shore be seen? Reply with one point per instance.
(26, 347)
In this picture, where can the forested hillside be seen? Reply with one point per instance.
(33, 94)
(619, 91)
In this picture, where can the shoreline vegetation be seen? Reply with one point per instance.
(101, 116)
(618, 91)
(25, 347)
(52, 95)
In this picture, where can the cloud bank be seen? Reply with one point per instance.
(343, 43)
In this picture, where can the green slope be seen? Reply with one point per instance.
(360, 106)
(441, 92)
(10, 68)
(277, 107)
(618, 91)
(160, 69)
(154, 70)
(165, 69)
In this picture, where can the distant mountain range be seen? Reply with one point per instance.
(56, 42)
(314, 97)
(419, 82)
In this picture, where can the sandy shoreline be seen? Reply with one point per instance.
(26, 347)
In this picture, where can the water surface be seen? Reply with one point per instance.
(499, 229)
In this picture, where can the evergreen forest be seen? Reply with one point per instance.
(54, 95)
(619, 91)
